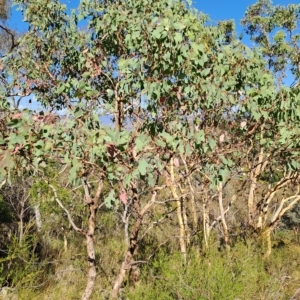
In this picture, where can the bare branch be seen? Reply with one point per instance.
(65, 210)
(219, 218)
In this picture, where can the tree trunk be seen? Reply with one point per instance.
(126, 265)
(222, 214)
(38, 218)
(266, 236)
(251, 209)
(194, 213)
(21, 224)
(206, 228)
(260, 167)
(253, 178)
(133, 241)
(185, 224)
(192, 199)
(65, 244)
(91, 254)
(182, 241)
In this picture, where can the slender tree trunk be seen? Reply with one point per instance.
(253, 178)
(296, 233)
(133, 241)
(251, 208)
(126, 266)
(182, 241)
(192, 199)
(21, 231)
(266, 236)
(206, 228)
(65, 244)
(128, 259)
(261, 165)
(38, 218)
(185, 223)
(184, 216)
(91, 254)
(224, 225)
(89, 235)
(21, 223)
(194, 213)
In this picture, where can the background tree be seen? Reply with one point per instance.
(275, 30)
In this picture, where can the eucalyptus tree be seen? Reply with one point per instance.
(274, 153)
(275, 30)
(183, 96)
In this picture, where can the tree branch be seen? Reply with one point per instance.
(65, 210)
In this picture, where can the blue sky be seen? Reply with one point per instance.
(217, 9)
(230, 9)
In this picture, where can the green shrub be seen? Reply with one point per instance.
(239, 274)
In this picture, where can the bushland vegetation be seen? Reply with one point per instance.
(191, 191)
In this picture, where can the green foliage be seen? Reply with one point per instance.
(188, 73)
(20, 266)
(274, 28)
(215, 275)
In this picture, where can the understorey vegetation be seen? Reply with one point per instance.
(148, 153)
